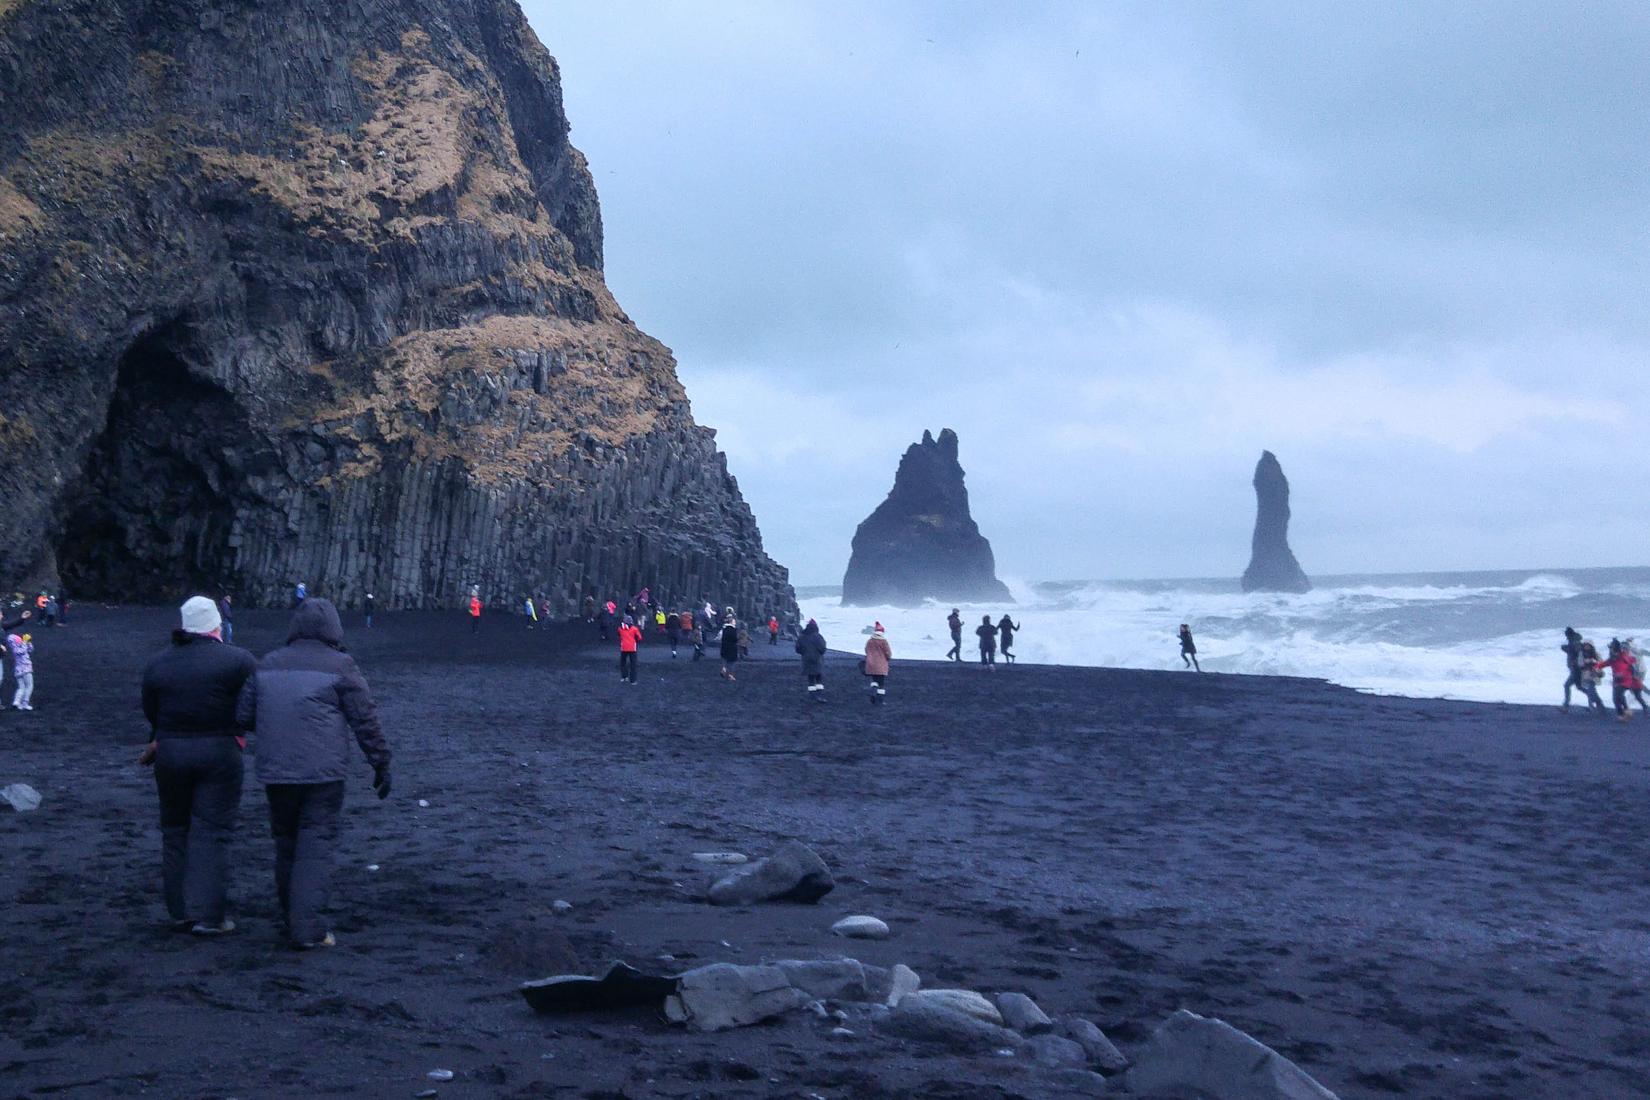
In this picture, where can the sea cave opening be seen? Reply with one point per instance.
(150, 517)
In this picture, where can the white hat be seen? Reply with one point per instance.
(200, 615)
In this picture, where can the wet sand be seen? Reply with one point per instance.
(1406, 897)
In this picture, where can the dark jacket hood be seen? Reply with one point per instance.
(316, 620)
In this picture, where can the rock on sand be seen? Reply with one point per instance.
(793, 873)
(1022, 1014)
(861, 928)
(723, 996)
(1201, 1055)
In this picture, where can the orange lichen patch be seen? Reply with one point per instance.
(435, 147)
(18, 212)
(15, 433)
(480, 388)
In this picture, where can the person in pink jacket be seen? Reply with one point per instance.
(878, 655)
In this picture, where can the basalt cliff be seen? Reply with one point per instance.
(921, 542)
(1272, 565)
(312, 290)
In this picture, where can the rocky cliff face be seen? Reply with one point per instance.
(312, 289)
(1272, 565)
(921, 543)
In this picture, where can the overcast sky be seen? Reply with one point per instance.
(1121, 248)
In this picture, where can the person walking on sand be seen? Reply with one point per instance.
(730, 645)
(673, 632)
(226, 612)
(811, 646)
(1188, 649)
(475, 613)
(300, 593)
(744, 643)
(630, 640)
(1005, 631)
(773, 629)
(878, 656)
(589, 609)
(367, 605)
(190, 694)
(304, 704)
(6, 627)
(1624, 678)
(531, 610)
(1592, 671)
(1573, 662)
(988, 642)
(21, 648)
(954, 621)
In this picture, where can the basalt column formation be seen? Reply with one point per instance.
(312, 290)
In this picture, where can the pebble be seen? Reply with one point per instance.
(372, 866)
(561, 906)
(423, 804)
(425, 1095)
(721, 857)
(841, 1033)
(440, 1075)
(861, 928)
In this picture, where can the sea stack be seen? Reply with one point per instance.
(921, 543)
(299, 290)
(1272, 565)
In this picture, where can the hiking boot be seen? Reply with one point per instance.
(222, 928)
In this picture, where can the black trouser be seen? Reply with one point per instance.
(1008, 654)
(988, 656)
(878, 688)
(627, 667)
(475, 623)
(199, 782)
(955, 652)
(1188, 657)
(304, 819)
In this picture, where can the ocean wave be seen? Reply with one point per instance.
(1429, 638)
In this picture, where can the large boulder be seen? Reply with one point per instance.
(723, 996)
(1192, 1055)
(826, 979)
(1102, 1053)
(1272, 565)
(936, 1021)
(922, 543)
(301, 290)
(793, 873)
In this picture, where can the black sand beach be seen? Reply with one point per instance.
(1405, 897)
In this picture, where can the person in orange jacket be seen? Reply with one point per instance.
(630, 637)
(878, 655)
(773, 630)
(475, 613)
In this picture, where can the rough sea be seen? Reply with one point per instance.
(1491, 636)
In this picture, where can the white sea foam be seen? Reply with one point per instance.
(1491, 637)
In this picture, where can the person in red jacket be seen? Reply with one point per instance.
(1624, 677)
(475, 613)
(773, 630)
(630, 637)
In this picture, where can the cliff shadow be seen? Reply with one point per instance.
(152, 514)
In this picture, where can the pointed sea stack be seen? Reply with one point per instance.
(1272, 565)
(302, 290)
(921, 543)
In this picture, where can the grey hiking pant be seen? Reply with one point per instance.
(199, 782)
(304, 819)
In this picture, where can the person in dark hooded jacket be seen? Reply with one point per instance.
(190, 695)
(811, 645)
(304, 704)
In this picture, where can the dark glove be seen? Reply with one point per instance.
(381, 781)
